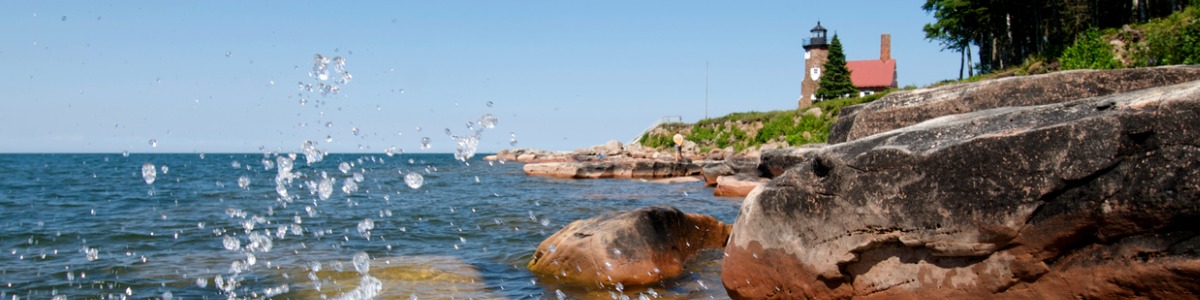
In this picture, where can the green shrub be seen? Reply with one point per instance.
(1171, 40)
(1090, 51)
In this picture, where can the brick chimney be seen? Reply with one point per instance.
(885, 47)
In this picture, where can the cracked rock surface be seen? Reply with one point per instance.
(1091, 198)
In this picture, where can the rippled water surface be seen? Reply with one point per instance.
(220, 226)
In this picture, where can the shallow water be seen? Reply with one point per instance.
(89, 226)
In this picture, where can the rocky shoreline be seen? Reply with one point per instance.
(1077, 184)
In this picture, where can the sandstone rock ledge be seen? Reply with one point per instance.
(1090, 198)
(629, 168)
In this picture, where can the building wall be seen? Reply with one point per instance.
(815, 59)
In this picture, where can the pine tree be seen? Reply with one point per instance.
(835, 77)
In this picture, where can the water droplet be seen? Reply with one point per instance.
(154, 143)
(349, 186)
(167, 295)
(64, 18)
(344, 167)
(354, 130)
(362, 262)
(488, 121)
(365, 227)
(228, 53)
(231, 243)
(559, 293)
(92, 254)
(391, 151)
(202, 282)
(311, 154)
(414, 180)
(149, 173)
(512, 140)
(126, 154)
(358, 177)
(164, 169)
(328, 138)
(489, 104)
(201, 155)
(466, 147)
(235, 164)
(425, 143)
(325, 188)
(329, 124)
(129, 291)
(448, 132)
(244, 182)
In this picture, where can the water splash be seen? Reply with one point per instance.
(466, 147)
(344, 167)
(414, 180)
(149, 173)
(312, 155)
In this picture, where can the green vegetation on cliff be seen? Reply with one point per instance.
(1033, 35)
(750, 130)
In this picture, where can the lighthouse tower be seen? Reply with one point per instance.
(816, 49)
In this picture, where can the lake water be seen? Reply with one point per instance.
(218, 226)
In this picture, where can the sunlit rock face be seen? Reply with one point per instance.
(637, 247)
(1091, 198)
(906, 108)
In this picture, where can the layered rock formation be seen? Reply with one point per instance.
(904, 108)
(613, 169)
(1088, 198)
(637, 247)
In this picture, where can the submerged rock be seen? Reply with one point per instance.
(1092, 198)
(425, 277)
(906, 108)
(637, 247)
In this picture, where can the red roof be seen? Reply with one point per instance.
(872, 73)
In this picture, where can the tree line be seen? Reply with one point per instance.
(1007, 32)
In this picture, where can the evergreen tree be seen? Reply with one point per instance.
(835, 77)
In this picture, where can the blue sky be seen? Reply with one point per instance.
(222, 76)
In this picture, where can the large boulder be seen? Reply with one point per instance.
(1089, 199)
(905, 108)
(637, 247)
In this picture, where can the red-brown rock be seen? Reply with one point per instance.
(906, 108)
(638, 247)
(737, 185)
(1095, 198)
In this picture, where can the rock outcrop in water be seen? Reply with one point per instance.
(614, 169)
(1088, 198)
(638, 247)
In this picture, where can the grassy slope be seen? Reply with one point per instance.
(750, 130)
